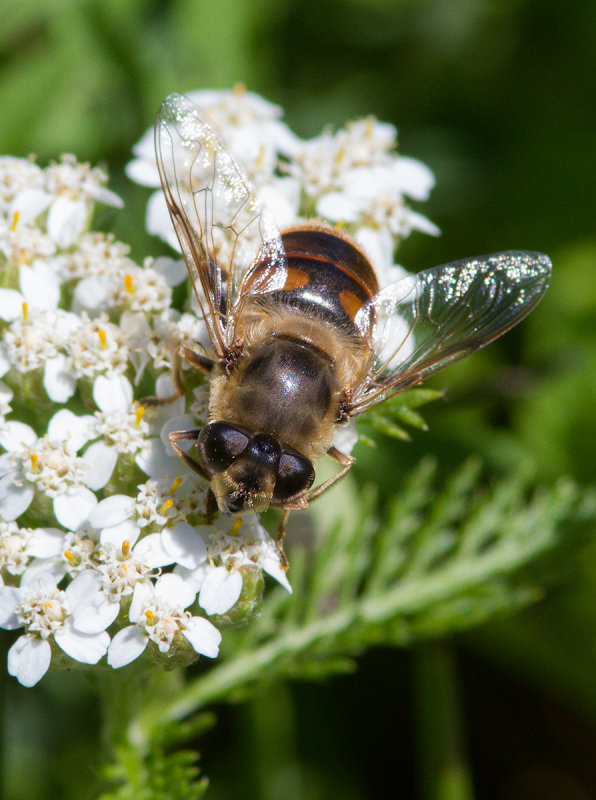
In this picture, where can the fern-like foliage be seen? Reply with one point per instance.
(157, 775)
(391, 416)
(435, 562)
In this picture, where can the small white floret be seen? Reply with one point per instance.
(29, 659)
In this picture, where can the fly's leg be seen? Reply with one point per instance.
(302, 502)
(211, 507)
(196, 360)
(344, 461)
(187, 436)
(281, 532)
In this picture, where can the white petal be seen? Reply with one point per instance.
(91, 293)
(43, 575)
(184, 544)
(87, 648)
(378, 245)
(176, 407)
(59, 384)
(145, 148)
(5, 364)
(366, 183)
(173, 270)
(156, 462)
(272, 566)
(203, 636)
(87, 582)
(413, 178)
(194, 577)
(11, 304)
(135, 326)
(66, 221)
(422, 223)
(6, 393)
(164, 387)
(116, 535)
(112, 511)
(151, 551)
(92, 612)
(14, 435)
(6, 467)
(30, 203)
(45, 542)
(158, 220)
(284, 139)
(283, 206)
(67, 427)
(10, 597)
(67, 323)
(183, 423)
(103, 195)
(220, 590)
(72, 508)
(172, 590)
(40, 285)
(101, 460)
(126, 645)
(142, 171)
(29, 659)
(112, 393)
(345, 437)
(338, 206)
(14, 499)
(143, 594)
(136, 330)
(396, 272)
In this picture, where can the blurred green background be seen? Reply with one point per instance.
(498, 99)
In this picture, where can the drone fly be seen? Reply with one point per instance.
(303, 336)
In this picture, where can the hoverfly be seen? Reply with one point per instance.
(303, 336)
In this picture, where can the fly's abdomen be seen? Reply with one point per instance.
(327, 277)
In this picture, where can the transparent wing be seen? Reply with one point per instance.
(425, 322)
(226, 233)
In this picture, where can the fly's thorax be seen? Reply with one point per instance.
(283, 387)
(268, 319)
(292, 375)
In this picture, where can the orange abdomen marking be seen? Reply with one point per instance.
(350, 303)
(328, 277)
(296, 279)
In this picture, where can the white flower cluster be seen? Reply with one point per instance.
(105, 549)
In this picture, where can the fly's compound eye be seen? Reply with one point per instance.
(295, 475)
(219, 444)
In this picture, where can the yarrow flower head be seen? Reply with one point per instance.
(109, 551)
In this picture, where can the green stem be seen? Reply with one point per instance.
(239, 671)
(443, 770)
(125, 695)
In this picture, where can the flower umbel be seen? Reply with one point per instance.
(106, 545)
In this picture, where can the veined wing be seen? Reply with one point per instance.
(425, 322)
(223, 226)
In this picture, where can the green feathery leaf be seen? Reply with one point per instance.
(399, 410)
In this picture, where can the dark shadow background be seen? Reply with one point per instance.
(498, 99)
